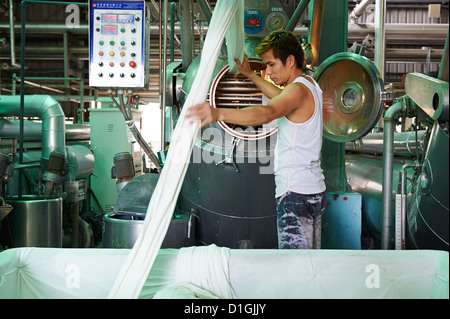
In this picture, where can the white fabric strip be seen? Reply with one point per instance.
(136, 267)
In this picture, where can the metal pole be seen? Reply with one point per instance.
(380, 33)
(163, 79)
(316, 30)
(187, 32)
(388, 157)
(172, 31)
(12, 40)
(206, 10)
(22, 92)
(297, 15)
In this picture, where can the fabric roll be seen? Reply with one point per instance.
(202, 273)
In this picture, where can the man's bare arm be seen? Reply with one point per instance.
(267, 88)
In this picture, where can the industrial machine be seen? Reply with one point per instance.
(46, 184)
(391, 186)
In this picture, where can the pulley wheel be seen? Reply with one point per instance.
(352, 88)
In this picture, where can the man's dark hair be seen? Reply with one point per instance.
(283, 43)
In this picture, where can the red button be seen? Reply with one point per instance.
(133, 64)
(111, 64)
(100, 53)
(122, 64)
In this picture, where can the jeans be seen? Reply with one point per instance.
(299, 219)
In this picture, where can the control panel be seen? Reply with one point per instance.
(118, 33)
(263, 16)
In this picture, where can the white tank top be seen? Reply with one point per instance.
(297, 152)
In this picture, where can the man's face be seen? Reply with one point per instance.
(277, 72)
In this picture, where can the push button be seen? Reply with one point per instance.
(132, 64)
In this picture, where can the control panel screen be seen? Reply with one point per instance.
(109, 18)
(252, 22)
(109, 29)
(126, 18)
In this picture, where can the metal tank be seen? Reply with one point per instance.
(122, 226)
(35, 221)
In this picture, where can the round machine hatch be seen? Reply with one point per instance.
(237, 91)
(352, 88)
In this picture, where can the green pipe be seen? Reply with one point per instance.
(297, 15)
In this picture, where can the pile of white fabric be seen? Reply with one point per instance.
(136, 267)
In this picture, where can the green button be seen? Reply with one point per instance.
(122, 30)
(111, 42)
(101, 42)
(122, 42)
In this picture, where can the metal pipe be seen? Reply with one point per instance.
(187, 29)
(172, 31)
(163, 80)
(297, 15)
(380, 34)
(443, 70)
(206, 10)
(316, 30)
(404, 144)
(394, 31)
(360, 9)
(12, 40)
(130, 123)
(388, 157)
(33, 131)
(44, 107)
(22, 91)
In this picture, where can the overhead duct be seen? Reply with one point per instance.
(46, 108)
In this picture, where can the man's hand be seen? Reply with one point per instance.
(204, 113)
(244, 67)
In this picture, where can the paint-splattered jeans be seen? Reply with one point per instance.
(299, 220)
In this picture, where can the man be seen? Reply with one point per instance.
(300, 186)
